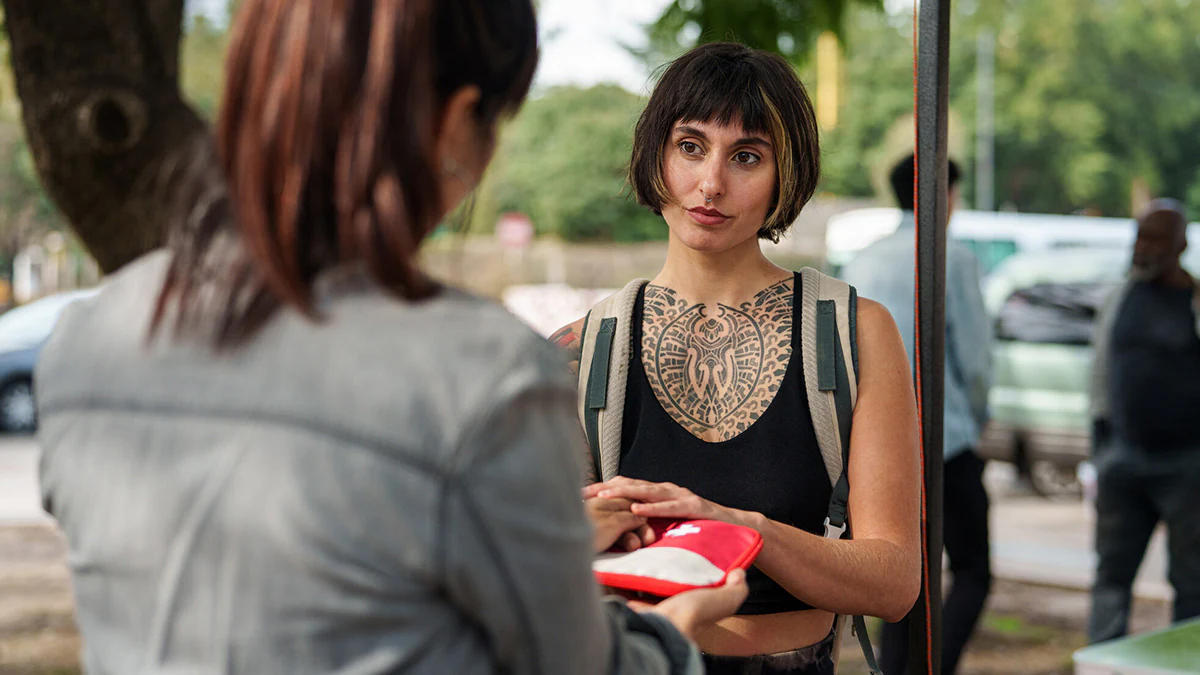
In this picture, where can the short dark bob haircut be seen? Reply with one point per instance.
(726, 82)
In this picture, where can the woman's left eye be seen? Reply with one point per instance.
(745, 157)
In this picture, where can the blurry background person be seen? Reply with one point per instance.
(1146, 423)
(885, 271)
(277, 447)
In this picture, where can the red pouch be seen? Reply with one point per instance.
(685, 555)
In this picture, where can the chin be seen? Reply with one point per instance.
(707, 242)
(710, 240)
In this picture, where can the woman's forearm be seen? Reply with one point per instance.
(873, 577)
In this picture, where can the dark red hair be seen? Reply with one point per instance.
(325, 141)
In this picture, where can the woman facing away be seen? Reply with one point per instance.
(716, 421)
(277, 447)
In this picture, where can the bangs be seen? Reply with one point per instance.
(722, 92)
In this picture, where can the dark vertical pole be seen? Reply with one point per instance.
(933, 83)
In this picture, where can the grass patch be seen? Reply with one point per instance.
(1017, 628)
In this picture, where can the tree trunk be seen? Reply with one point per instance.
(99, 90)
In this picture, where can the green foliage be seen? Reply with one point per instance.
(562, 161)
(876, 96)
(1092, 95)
(789, 27)
(1089, 96)
(202, 67)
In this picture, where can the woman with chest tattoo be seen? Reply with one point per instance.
(716, 421)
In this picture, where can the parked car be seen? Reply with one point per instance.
(1044, 305)
(23, 332)
(993, 236)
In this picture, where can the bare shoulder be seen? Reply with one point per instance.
(873, 316)
(569, 338)
(881, 349)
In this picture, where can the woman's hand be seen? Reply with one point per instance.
(665, 500)
(614, 523)
(695, 611)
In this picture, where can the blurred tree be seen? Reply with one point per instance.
(562, 161)
(26, 211)
(789, 27)
(1089, 97)
(1092, 96)
(876, 95)
(202, 70)
(99, 87)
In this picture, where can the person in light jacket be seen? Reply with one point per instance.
(885, 271)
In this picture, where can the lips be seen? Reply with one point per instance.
(705, 216)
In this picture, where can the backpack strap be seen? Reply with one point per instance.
(829, 350)
(603, 375)
(828, 328)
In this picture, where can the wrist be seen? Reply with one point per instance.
(683, 620)
(751, 519)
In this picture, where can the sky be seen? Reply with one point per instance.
(582, 39)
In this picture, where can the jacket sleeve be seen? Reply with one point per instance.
(969, 344)
(516, 544)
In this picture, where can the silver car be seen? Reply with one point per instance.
(23, 331)
(1044, 305)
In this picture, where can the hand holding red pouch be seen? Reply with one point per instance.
(686, 555)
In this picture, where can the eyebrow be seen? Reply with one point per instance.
(746, 140)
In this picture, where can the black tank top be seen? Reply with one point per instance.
(774, 467)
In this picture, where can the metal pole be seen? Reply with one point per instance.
(985, 121)
(933, 83)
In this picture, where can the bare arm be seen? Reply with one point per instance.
(878, 572)
(570, 339)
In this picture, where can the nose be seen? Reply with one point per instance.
(712, 179)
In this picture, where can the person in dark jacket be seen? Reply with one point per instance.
(1146, 433)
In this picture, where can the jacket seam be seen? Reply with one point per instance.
(375, 445)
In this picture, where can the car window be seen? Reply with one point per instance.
(1052, 313)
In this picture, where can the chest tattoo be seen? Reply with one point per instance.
(715, 369)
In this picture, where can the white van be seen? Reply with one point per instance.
(992, 236)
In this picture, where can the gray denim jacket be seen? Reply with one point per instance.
(393, 489)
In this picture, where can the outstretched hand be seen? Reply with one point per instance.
(694, 611)
(663, 500)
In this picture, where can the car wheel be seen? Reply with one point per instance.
(18, 411)
(1055, 482)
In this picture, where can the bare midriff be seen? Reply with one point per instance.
(749, 635)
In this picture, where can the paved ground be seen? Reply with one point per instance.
(1044, 542)
(19, 503)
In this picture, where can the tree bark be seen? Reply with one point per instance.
(103, 114)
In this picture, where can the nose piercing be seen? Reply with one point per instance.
(707, 199)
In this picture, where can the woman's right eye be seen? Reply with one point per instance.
(688, 147)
